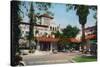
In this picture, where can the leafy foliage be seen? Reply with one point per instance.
(57, 34)
(70, 32)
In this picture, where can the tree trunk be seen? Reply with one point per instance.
(83, 37)
(83, 33)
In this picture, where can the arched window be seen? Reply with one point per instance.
(53, 28)
(50, 28)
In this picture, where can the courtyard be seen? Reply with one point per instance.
(50, 58)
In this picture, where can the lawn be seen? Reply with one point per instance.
(85, 58)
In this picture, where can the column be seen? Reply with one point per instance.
(37, 51)
(38, 46)
(80, 48)
(51, 47)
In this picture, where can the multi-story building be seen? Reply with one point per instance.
(42, 31)
(89, 36)
(44, 26)
(88, 32)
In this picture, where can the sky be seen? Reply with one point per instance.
(64, 18)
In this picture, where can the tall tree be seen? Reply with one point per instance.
(32, 21)
(82, 11)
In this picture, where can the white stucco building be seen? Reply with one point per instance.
(45, 25)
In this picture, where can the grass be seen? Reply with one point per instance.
(85, 58)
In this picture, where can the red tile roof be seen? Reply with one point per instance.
(73, 40)
(46, 39)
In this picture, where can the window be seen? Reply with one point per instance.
(50, 28)
(53, 28)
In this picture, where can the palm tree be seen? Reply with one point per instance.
(82, 11)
